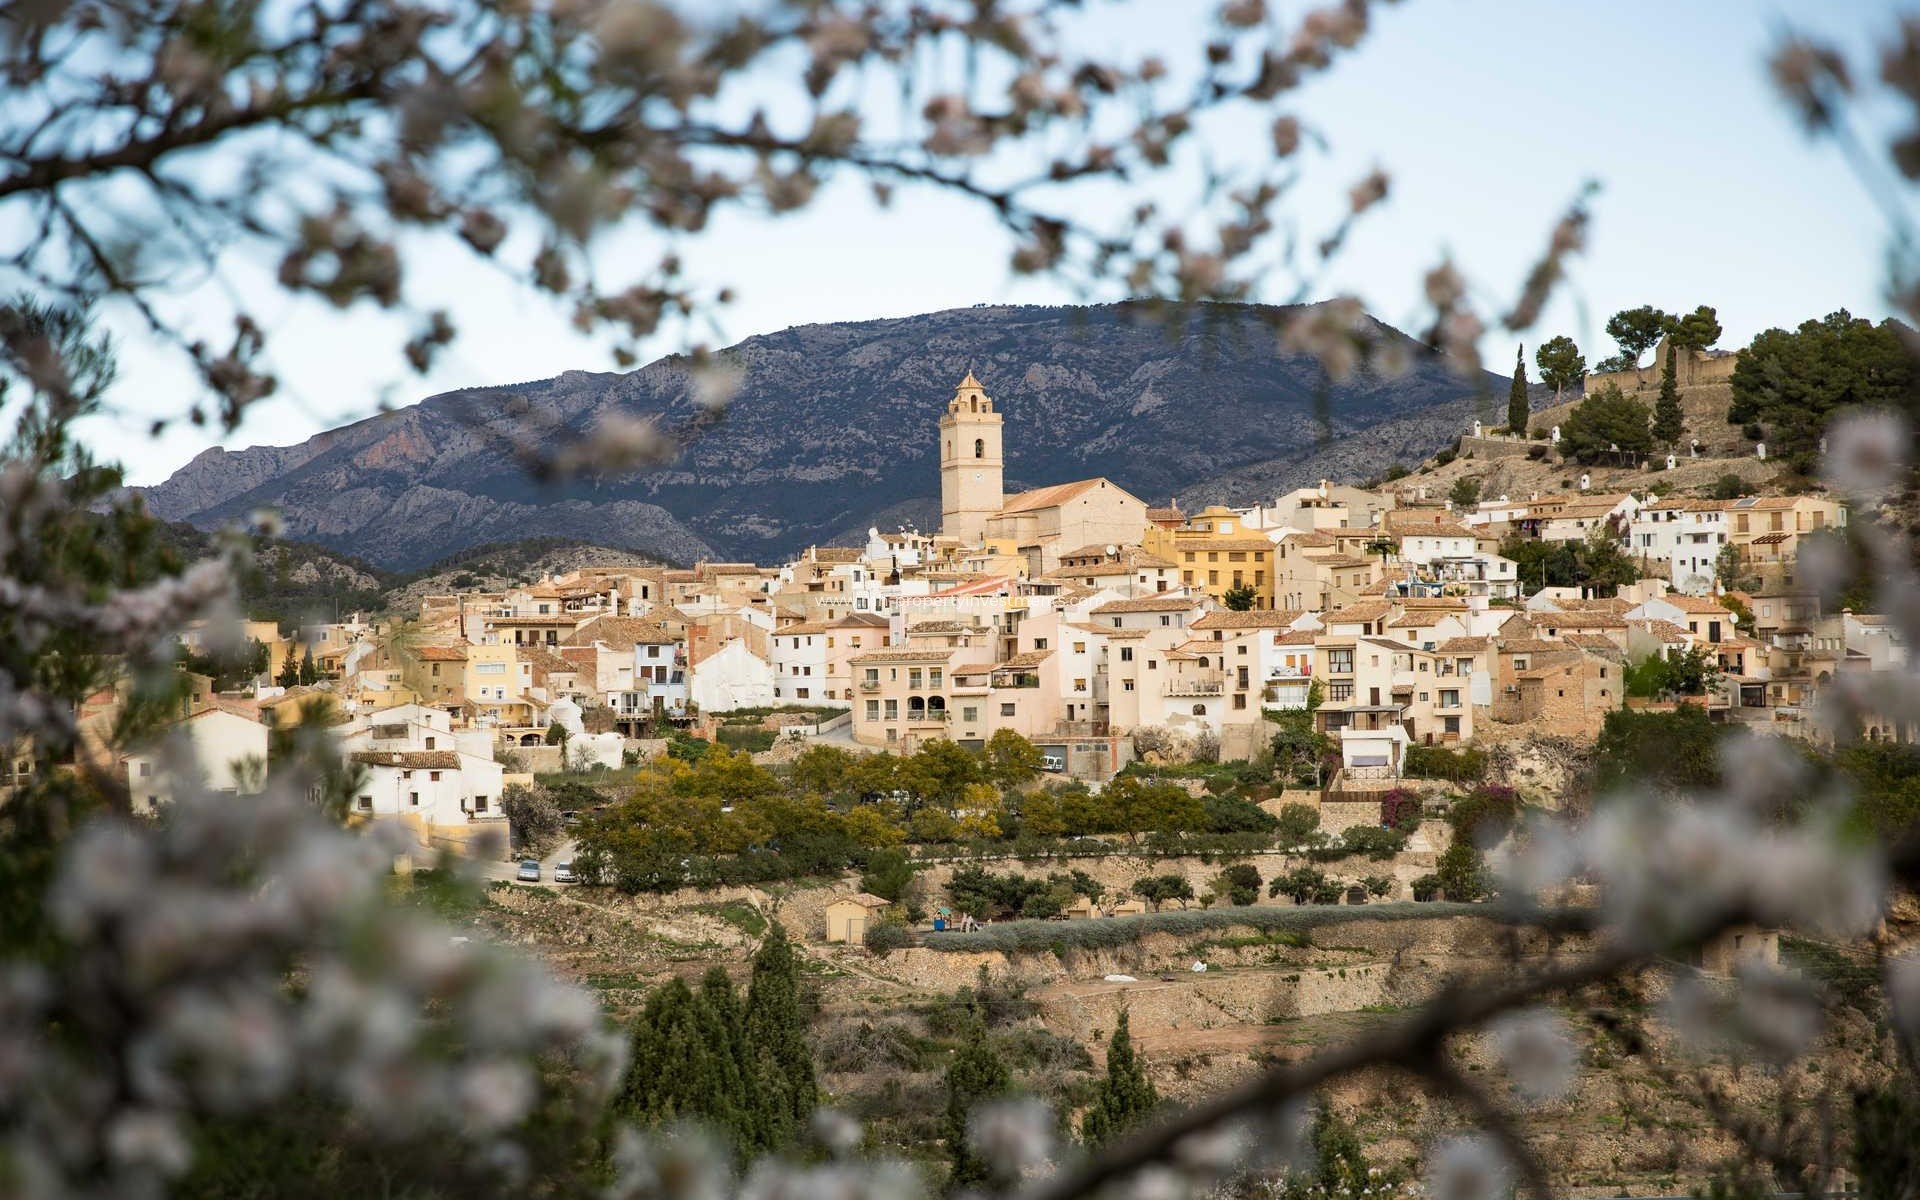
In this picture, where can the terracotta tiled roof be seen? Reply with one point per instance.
(1580, 620)
(910, 654)
(1167, 602)
(1031, 658)
(1463, 645)
(1367, 610)
(1594, 642)
(1108, 631)
(835, 554)
(863, 899)
(1253, 618)
(622, 631)
(1165, 514)
(1666, 631)
(941, 626)
(440, 653)
(438, 760)
(1696, 604)
(1059, 493)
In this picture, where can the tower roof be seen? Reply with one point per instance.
(970, 381)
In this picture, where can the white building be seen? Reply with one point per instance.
(224, 751)
(731, 677)
(1682, 538)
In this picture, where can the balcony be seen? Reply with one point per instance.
(869, 685)
(930, 716)
(1196, 687)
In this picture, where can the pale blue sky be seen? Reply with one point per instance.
(1487, 114)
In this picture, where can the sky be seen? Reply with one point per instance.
(1488, 116)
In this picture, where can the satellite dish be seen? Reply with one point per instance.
(1113, 551)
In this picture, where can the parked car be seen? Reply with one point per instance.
(529, 871)
(563, 872)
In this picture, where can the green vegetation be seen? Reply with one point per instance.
(744, 1069)
(1793, 383)
(1517, 406)
(1678, 750)
(1463, 765)
(1635, 330)
(1689, 672)
(1109, 932)
(1239, 597)
(1561, 366)
(1607, 426)
(1598, 562)
(1157, 890)
(1238, 884)
(1339, 1170)
(1465, 492)
(1669, 423)
(977, 1074)
(988, 896)
(1125, 1097)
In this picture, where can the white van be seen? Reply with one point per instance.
(1052, 762)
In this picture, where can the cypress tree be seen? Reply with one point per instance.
(308, 672)
(1668, 424)
(776, 1033)
(1517, 408)
(976, 1074)
(289, 673)
(683, 1064)
(1125, 1096)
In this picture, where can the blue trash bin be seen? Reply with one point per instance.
(939, 924)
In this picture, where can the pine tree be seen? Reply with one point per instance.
(1517, 408)
(289, 673)
(975, 1075)
(1668, 423)
(1125, 1096)
(308, 672)
(776, 1033)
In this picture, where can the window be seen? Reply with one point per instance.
(873, 710)
(1039, 643)
(913, 678)
(1339, 691)
(1126, 654)
(979, 447)
(365, 803)
(1213, 577)
(1165, 620)
(1006, 710)
(430, 746)
(1079, 647)
(1213, 556)
(433, 776)
(1239, 699)
(893, 710)
(1450, 724)
(934, 676)
(1236, 556)
(1126, 685)
(1079, 685)
(1340, 661)
(413, 799)
(970, 714)
(434, 670)
(146, 770)
(1449, 698)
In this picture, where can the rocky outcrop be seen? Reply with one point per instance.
(832, 429)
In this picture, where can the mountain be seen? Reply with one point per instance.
(832, 429)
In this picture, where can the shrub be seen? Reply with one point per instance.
(1009, 937)
(1484, 815)
(1440, 762)
(1445, 456)
(1158, 889)
(1296, 823)
(1539, 433)
(1401, 809)
(1425, 888)
(1235, 814)
(888, 875)
(888, 935)
(1536, 453)
(1373, 841)
(1462, 872)
(1239, 883)
(1753, 431)
(1729, 487)
(1377, 885)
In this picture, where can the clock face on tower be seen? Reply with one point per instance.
(977, 476)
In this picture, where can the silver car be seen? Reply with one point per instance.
(529, 871)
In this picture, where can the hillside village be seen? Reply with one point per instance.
(1101, 627)
(1277, 722)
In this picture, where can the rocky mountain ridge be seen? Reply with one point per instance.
(832, 429)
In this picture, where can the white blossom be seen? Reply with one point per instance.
(1467, 1168)
(1867, 454)
(1012, 1136)
(1537, 1048)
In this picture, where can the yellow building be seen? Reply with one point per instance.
(849, 917)
(1216, 552)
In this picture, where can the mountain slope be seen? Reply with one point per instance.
(833, 426)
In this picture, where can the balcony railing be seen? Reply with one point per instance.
(930, 716)
(869, 685)
(1196, 687)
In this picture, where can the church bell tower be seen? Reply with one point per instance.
(970, 463)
